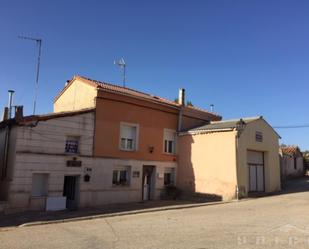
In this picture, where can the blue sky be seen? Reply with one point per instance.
(247, 58)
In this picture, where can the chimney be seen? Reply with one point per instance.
(19, 112)
(5, 115)
(181, 96)
(11, 92)
(67, 83)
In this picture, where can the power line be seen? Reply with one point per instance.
(291, 126)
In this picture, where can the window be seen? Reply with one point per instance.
(169, 176)
(71, 145)
(39, 185)
(128, 137)
(121, 176)
(169, 141)
(259, 136)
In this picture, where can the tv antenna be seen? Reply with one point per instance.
(121, 63)
(39, 44)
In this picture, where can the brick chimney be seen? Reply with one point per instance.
(5, 115)
(19, 112)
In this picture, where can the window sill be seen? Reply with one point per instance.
(72, 154)
(169, 154)
(127, 150)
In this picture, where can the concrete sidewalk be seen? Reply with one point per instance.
(31, 218)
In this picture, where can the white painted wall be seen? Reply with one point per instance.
(41, 150)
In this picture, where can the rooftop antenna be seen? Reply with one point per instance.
(39, 44)
(121, 63)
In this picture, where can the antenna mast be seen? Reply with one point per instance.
(121, 63)
(39, 44)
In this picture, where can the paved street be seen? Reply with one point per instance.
(280, 221)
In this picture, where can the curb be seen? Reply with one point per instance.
(141, 211)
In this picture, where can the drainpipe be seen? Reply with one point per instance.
(237, 167)
(7, 137)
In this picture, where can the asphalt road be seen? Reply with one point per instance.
(280, 221)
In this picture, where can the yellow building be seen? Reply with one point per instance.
(230, 159)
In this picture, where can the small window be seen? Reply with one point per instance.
(39, 185)
(72, 145)
(128, 137)
(121, 176)
(169, 177)
(259, 136)
(169, 141)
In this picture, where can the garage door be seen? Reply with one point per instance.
(256, 171)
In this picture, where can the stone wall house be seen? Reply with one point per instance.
(291, 162)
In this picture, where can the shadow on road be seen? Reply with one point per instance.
(16, 219)
(296, 185)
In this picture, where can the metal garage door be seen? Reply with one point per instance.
(256, 171)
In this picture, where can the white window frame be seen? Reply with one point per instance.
(126, 168)
(72, 137)
(47, 185)
(174, 149)
(135, 143)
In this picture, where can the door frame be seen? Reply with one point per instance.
(77, 191)
(151, 185)
(257, 165)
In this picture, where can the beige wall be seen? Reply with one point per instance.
(207, 164)
(78, 95)
(270, 147)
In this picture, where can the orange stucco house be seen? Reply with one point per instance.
(135, 132)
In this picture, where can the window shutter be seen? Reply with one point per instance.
(169, 135)
(128, 132)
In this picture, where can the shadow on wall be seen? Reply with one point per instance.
(186, 178)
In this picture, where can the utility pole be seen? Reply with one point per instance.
(36, 90)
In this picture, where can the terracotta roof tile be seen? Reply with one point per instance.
(289, 149)
(129, 91)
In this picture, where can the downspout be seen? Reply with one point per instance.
(239, 128)
(6, 152)
(237, 167)
(180, 119)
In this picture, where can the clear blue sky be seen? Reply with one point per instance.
(247, 58)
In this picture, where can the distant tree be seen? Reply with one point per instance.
(189, 103)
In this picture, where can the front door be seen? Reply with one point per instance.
(256, 171)
(147, 187)
(71, 191)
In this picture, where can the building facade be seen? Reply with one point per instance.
(291, 162)
(103, 144)
(230, 159)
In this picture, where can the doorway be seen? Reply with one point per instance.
(148, 182)
(256, 171)
(71, 191)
